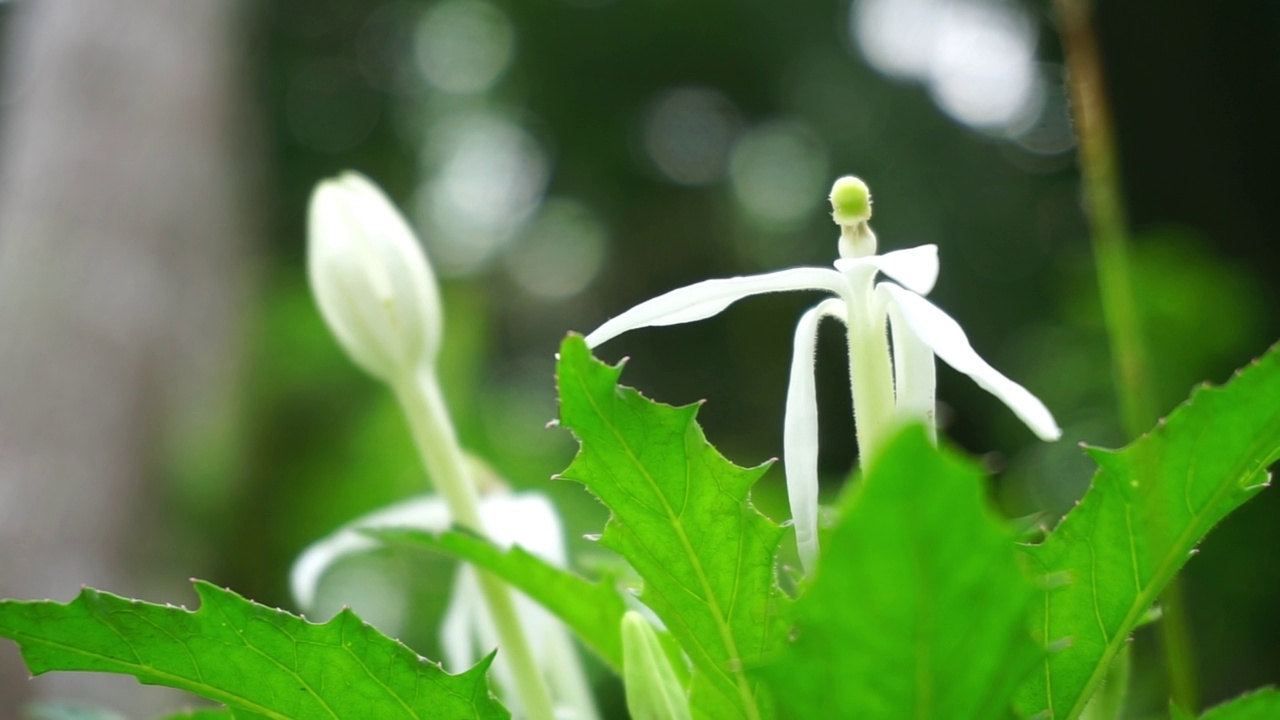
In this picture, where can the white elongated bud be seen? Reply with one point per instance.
(371, 279)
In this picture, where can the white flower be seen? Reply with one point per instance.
(886, 389)
(371, 279)
(468, 634)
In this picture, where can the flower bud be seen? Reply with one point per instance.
(371, 279)
(653, 692)
(850, 201)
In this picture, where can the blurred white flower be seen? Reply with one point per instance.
(371, 279)
(887, 390)
(467, 633)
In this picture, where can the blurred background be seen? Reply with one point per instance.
(171, 404)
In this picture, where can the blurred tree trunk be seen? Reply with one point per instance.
(125, 215)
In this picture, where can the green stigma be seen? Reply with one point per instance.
(850, 201)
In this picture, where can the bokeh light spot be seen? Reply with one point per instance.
(983, 72)
(976, 57)
(487, 175)
(464, 46)
(560, 252)
(688, 132)
(1048, 132)
(778, 171)
(897, 36)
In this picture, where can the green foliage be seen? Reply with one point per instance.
(1148, 507)
(1260, 705)
(259, 662)
(680, 514)
(593, 610)
(919, 608)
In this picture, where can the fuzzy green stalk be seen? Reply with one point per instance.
(1104, 206)
(437, 442)
(870, 380)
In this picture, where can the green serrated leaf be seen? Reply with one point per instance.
(1149, 506)
(919, 608)
(1258, 705)
(260, 662)
(593, 610)
(681, 515)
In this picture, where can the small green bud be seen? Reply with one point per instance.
(653, 692)
(850, 201)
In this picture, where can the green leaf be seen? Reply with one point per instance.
(260, 662)
(919, 608)
(1149, 506)
(203, 714)
(680, 514)
(593, 610)
(1258, 705)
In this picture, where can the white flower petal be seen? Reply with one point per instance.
(916, 268)
(914, 374)
(940, 332)
(800, 432)
(458, 627)
(426, 512)
(527, 519)
(707, 298)
(568, 679)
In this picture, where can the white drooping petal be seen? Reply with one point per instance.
(916, 268)
(527, 519)
(915, 380)
(468, 632)
(461, 617)
(707, 298)
(800, 432)
(427, 513)
(939, 331)
(568, 680)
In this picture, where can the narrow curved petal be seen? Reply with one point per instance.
(427, 512)
(800, 432)
(915, 380)
(939, 331)
(916, 268)
(567, 677)
(458, 627)
(707, 298)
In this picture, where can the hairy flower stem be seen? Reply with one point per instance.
(870, 379)
(437, 442)
(1104, 206)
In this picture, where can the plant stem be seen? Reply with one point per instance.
(870, 373)
(1104, 206)
(433, 432)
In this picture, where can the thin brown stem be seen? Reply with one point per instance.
(1104, 206)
